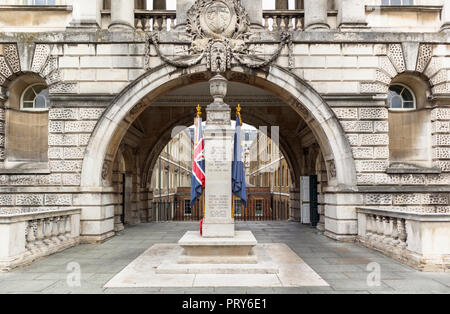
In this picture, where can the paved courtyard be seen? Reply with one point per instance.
(342, 265)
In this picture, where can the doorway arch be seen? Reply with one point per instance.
(288, 87)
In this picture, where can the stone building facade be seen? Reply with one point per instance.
(171, 177)
(269, 169)
(360, 90)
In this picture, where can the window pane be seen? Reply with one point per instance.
(237, 208)
(407, 96)
(28, 105)
(29, 95)
(396, 2)
(408, 105)
(259, 208)
(396, 89)
(187, 207)
(40, 102)
(397, 102)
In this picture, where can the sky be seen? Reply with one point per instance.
(267, 4)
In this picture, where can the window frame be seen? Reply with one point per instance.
(33, 109)
(237, 207)
(188, 203)
(402, 109)
(257, 202)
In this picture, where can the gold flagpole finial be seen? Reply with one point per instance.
(238, 111)
(199, 110)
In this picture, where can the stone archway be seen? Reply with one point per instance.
(290, 89)
(284, 84)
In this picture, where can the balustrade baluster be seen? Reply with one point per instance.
(289, 24)
(146, 24)
(387, 231)
(282, 23)
(47, 232)
(266, 22)
(155, 23)
(164, 23)
(275, 23)
(298, 22)
(379, 228)
(30, 245)
(69, 227)
(40, 234)
(401, 227)
(61, 229)
(139, 24)
(395, 241)
(369, 226)
(54, 232)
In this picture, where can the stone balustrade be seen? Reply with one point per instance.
(420, 240)
(27, 237)
(155, 20)
(283, 19)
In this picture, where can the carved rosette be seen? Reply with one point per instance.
(219, 31)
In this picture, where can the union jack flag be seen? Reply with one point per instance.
(198, 163)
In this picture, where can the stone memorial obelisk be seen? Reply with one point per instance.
(220, 243)
(218, 220)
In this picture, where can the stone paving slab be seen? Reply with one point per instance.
(145, 271)
(101, 262)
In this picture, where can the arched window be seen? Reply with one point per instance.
(409, 122)
(26, 126)
(35, 98)
(401, 97)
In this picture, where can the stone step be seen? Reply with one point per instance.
(220, 269)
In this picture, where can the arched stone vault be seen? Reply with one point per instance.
(155, 149)
(293, 91)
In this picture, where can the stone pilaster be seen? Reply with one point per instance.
(446, 17)
(122, 15)
(183, 7)
(86, 14)
(352, 15)
(255, 12)
(316, 15)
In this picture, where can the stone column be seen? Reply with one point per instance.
(316, 15)
(86, 14)
(281, 5)
(446, 17)
(218, 221)
(183, 7)
(255, 12)
(352, 14)
(122, 15)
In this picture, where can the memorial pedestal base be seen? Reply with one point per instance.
(203, 250)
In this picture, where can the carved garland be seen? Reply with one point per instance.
(218, 30)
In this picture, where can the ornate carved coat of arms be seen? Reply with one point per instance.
(219, 31)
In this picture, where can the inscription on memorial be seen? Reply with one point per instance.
(220, 203)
